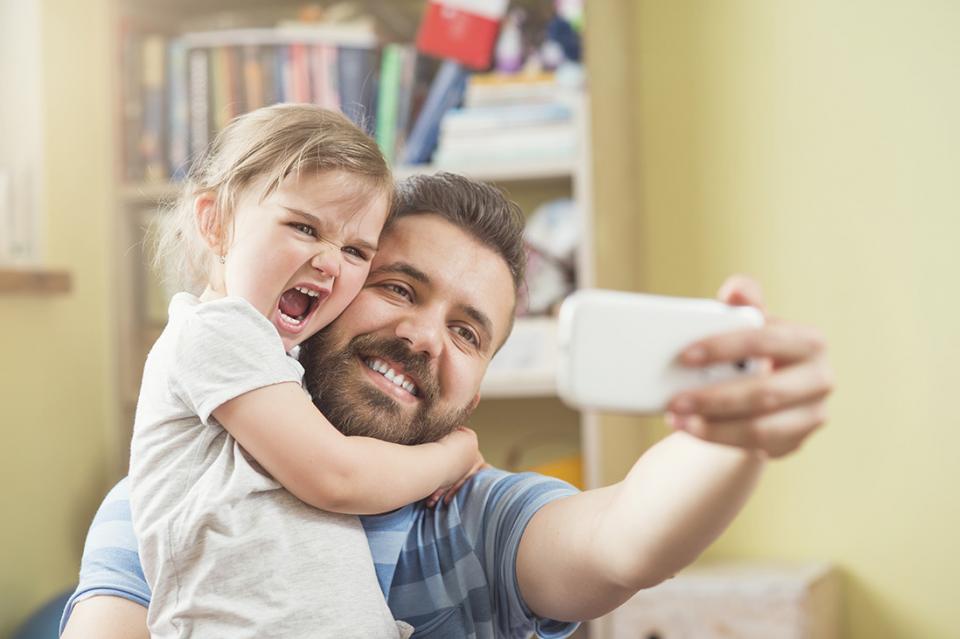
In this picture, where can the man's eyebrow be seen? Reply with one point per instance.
(313, 219)
(405, 268)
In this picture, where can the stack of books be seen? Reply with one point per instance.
(509, 119)
(181, 90)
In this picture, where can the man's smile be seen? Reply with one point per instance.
(391, 378)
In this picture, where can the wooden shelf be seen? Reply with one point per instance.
(526, 366)
(34, 281)
(507, 171)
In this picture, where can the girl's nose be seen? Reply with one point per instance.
(327, 261)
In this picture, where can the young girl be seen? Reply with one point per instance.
(236, 478)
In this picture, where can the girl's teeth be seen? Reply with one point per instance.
(308, 291)
(289, 319)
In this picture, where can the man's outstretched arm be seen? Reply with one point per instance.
(584, 555)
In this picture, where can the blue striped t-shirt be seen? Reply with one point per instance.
(449, 571)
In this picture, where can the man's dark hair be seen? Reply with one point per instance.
(481, 210)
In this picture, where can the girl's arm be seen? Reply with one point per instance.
(295, 443)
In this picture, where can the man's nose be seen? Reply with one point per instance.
(327, 261)
(423, 332)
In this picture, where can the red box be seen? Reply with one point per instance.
(450, 31)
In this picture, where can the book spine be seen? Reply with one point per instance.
(236, 102)
(446, 92)
(284, 74)
(268, 68)
(220, 85)
(178, 148)
(357, 81)
(152, 137)
(199, 101)
(387, 99)
(253, 77)
(405, 96)
(300, 69)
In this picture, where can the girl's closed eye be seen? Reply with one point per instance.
(357, 252)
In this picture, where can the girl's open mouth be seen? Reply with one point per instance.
(297, 304)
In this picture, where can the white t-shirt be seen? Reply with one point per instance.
(226, 550)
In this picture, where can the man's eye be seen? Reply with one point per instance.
(306, 229)
(399, 290)
(466, 334)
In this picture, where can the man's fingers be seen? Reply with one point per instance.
(740, 290)
(784, 343)
(776, 434)
(758, 395)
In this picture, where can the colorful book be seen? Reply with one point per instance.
(299, 73)
(253, 82)
(199, 87)
(494, 119)
(178, 111)
(236, 101)
(388, 100)
(446, 92)
(323, 71)
(269, 67)
(219, 88)
(357, 81)
(406, 96)
(152, 136)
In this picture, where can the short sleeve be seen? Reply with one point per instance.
(110, 564)
(506, 504)
(225, 348)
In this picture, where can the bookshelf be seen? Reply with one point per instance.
(519, 403)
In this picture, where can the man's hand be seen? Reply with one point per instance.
(774, 411)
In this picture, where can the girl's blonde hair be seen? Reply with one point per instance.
(270, 143)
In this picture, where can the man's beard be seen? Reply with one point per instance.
(356, 407)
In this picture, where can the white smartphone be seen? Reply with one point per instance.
(619, 351)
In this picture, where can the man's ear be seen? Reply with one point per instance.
(474, 402)
(209, 221)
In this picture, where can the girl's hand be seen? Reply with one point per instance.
(459, 454)
(447, 492)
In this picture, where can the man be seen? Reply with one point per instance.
(511, 554)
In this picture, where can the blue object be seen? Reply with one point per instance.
(563, 33)
(446, 92)
(45, 622)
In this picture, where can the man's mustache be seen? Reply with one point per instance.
(397, 350)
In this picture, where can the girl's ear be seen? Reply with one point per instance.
(209, 221)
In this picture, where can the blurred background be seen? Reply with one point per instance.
(655, 146)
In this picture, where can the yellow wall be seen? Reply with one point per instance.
(816, 145)
(56, 363)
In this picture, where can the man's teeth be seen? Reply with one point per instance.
(307, 291)
(381, 367)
